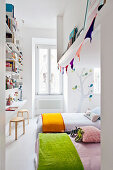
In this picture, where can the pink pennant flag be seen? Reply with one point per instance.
(79, 50)
(60, 68)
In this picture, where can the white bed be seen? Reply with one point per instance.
(71, 120)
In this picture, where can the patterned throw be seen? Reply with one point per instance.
(57, 152)
(52, 122)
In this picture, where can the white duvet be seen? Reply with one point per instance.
(71, 120)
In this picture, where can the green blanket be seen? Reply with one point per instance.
(57, 152)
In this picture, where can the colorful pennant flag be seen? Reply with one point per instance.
(60, 68)
(66, 68)
(71, 63)
(89, 33)
(79, 50)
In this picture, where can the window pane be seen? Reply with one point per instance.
(43, 71)
(55, 76)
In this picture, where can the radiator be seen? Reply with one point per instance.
(48, 106)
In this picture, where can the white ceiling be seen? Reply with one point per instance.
(39, 13)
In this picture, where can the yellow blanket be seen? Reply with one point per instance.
(52, 122)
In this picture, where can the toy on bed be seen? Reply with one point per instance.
(78, 134)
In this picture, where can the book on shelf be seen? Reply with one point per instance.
(11, 108)
(10, 37)
(10, 10)
(12, 24)
(10, 65)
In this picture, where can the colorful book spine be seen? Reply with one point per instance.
(10, 9)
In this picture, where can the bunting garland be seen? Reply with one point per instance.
(88, 35)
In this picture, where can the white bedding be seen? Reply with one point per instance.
(71, 120)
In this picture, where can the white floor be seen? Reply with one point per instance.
(20, 154)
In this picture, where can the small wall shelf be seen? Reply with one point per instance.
(12, 89)
(11, 72)
(8, 50)
(71, 52)
(8, 29)
(13, 47)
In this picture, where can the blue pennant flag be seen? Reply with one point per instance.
(89, 33)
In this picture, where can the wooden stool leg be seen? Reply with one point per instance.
(9, 128)
(17, 114)
(23, 126)
(28, 117)
(22, 114)
(15, 130)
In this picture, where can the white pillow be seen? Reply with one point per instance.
(92, 116)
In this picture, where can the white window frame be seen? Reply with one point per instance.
(97, 71)
(49, 71)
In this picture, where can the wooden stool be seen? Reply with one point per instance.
(22, 111)
(16, 120)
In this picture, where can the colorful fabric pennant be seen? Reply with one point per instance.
(66, 68)
(89, 33)
(60, 68)
(79, 50)
(71, 63)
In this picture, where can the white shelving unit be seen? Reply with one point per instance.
(17, 74)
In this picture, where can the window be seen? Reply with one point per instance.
(97, 80)
(49, 79)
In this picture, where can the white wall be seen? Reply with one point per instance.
(74, 99)
(28, 34)
(59, 37)
(2, 84)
